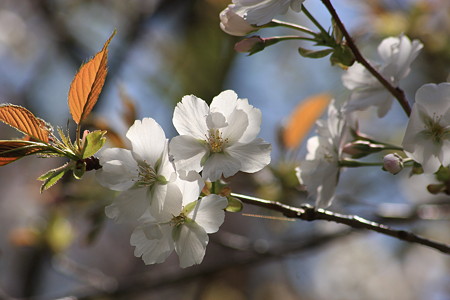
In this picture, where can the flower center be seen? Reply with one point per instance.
(147, 175)
(178, 220)
(215, 141)
(434, 130)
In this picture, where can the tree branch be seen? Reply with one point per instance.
(395, 91)
(309, 213)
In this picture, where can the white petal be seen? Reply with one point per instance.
(216, 120)
(147, 139)
(163, 195)
(254, 121)
(237, 125)
(434, 98)
(190, 243)
(225, 103)
(189, 117)
(119, 169)
(218, 164)
(252, 156)
(209, 212)
(153, 242)
(190, 185)
(234, 24)
(361, 100)
(188, 152)
(129, 206)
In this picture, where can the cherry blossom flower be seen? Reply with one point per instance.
(397, 54)
(221, 139)
(260, 12)
(183, 225)
(427, 137)
(144, 175)
(320, 171)
(234, 24)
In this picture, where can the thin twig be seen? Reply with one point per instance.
(395, 91)
(310, 213)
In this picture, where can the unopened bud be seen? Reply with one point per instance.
(252, 45)
(393, 163)
(359, 148)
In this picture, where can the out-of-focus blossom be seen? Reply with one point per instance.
(234, 24)
(427, 137)
(221, 139)
(144, 175)
(320, 171)
(260, 12)
(183, 225)
(397, 54)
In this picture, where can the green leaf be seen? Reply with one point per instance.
(52, 176)
(79, 170)
(234, 204)
(342, 56)
(314, 54)
(94, 142)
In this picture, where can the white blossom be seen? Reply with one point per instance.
(397, 54)
(427, 137)
(221, 139)
(260, 12)
(183, 225)
(144, 175)
(320, 171)
(234, 24)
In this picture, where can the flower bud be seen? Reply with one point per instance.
(360, 148)
(393, 163)
(234, 24)
(252, 45)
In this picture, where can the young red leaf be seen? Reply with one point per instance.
(23, 120)
(87, 84)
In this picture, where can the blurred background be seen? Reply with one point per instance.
(59, 244)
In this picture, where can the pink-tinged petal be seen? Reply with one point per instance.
(147, 139)
(153, 242)
(189, 117)
(209, 212)
(190, 243)
(119, 169)
(129, 206)
(188, 152)
(252, 156)
(225, 103)
(219, 164)
(237, 125)
(234, 24)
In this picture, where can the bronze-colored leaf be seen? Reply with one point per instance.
(23, 120)
(13, 150)
(87, 84)
(303, 118)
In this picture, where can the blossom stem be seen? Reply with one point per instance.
(395, 91)
(290, 25)
(309, 213)
(354, 163)
(315, 22)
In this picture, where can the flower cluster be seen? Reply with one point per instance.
(397, 54)
(244, 16)
(320, 171)
(159, 181)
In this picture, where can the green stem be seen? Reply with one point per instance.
(315, 22)
(276, 39)
(395, 91)
(354, 163)
(290, 25)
